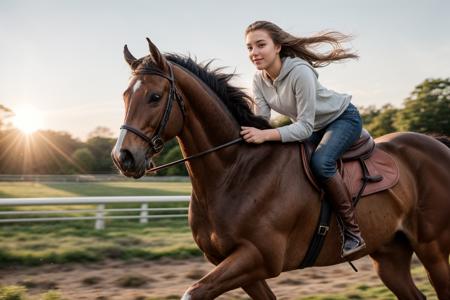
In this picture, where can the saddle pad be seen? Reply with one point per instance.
(379, 163)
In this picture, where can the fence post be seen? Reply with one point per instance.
(144, 213)
(100, 221)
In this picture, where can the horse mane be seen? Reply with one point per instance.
(234, 98)
(441, 138)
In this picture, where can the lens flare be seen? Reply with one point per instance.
(27, 119)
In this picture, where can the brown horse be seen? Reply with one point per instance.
(253, 211)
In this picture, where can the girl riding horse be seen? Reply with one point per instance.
(287, 83)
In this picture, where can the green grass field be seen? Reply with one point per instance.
(72, 189)
(66, 242)
(78, 241)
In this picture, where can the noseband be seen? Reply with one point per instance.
(155, 142)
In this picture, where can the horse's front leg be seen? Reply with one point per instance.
(243, 267)
(259, 290)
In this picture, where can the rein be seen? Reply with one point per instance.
(155, 142)
(195, 155)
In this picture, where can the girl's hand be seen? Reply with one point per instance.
(253, 135)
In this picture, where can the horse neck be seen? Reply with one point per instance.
(208, 123)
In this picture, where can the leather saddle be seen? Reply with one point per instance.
(365, 169)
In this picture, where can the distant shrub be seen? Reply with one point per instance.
(13, 292)
(52, 295)
(363, 287)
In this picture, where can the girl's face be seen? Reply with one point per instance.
(262, 51)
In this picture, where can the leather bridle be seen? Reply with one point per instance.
(155, 142)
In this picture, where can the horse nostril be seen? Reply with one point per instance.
(127, 159)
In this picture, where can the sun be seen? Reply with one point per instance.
(27, 119)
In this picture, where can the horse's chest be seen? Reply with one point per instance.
(214, 227)
(210, 242)
(215, 243)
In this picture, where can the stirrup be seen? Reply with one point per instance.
(361, 246)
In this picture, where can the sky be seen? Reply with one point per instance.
(65, 57)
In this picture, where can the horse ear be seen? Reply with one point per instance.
(130, 59)
(159, 59)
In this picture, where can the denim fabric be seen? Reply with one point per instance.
(333, 140)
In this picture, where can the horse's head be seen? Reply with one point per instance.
(151, 116)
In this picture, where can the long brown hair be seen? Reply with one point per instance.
(306, 47)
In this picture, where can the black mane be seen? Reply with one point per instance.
(234, 98)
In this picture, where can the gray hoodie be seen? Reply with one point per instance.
(297, 93)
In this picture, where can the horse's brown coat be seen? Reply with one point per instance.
(253, 210)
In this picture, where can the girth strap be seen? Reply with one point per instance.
(323, 226)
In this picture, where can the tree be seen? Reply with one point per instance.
(84, 159)
(380, 121)
(368, 114)
(101, 148)
(427, 109)
(44, 152)
(5, 113)
(177, 170)
(101, 131)
(53, 152)
(170, 153)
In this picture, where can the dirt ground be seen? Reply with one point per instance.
(168, 279)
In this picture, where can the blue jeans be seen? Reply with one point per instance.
(332, 142)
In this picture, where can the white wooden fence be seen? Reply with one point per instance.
(99, 214)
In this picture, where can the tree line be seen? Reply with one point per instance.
(426, 110)
(57, 152)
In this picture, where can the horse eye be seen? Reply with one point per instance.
(154, 97)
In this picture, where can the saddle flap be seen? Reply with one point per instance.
(379, 163)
